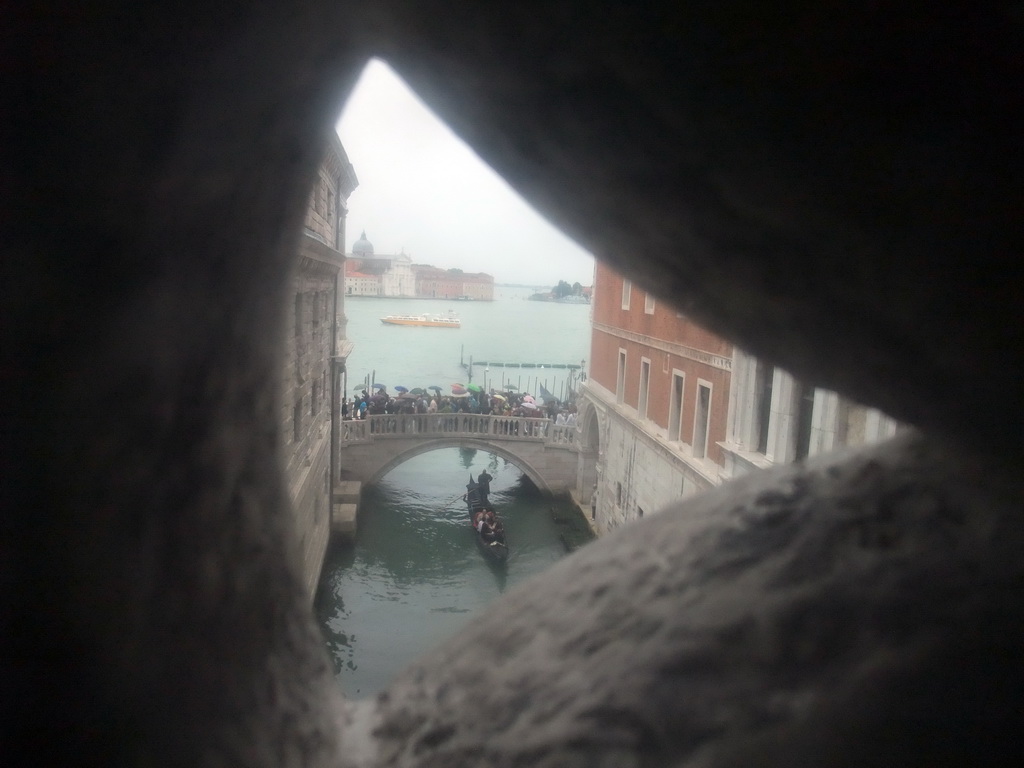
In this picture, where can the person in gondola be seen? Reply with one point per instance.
(477, 517)
(485, 529)
(484, 482)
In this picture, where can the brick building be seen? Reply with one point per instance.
(314, 369)
(671, 409)
(436, 283)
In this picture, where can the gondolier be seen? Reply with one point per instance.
(484, 483)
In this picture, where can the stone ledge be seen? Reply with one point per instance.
(347, 492)
(343, 519)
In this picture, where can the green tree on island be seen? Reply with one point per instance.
(561, 290)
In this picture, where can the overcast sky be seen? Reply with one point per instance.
(423, 190)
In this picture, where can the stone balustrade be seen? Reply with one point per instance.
(408, 425)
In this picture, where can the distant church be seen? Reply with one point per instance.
(367, 274)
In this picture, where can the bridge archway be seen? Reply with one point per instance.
(432, 445)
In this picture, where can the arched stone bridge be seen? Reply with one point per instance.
(545, 452)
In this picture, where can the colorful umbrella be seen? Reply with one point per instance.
(527, 398)
(460, 394)
(400, 388)
(380, 386)
(418, 391)
(530, 406)
(474, 388)
(499, 397)
(510, 388)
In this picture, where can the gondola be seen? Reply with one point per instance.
(496, 551)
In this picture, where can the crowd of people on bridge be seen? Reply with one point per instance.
(471, 399)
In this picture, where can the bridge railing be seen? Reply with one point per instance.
(452, 424)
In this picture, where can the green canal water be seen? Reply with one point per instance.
(414, 575)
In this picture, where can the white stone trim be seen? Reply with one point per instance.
(715, 361)
(707, 417)
(643, 397)
(671, 402)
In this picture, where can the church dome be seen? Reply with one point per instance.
(362, 246)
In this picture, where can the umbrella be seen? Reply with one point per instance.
(418, 391)
(435, 388)
(499, 397)
(400, 388)
(458, 385)
(530, 406)
(461, 394)
(474, 388)
(380, 386)
(510, 388)
(527, 398)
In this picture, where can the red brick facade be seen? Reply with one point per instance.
(650, 331)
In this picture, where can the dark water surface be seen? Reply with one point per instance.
(415, 576)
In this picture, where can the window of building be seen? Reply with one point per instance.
(627, 290)
(675, 408)
(298, 313)
(648, 304)
(314, 401)
(297, 421)
(701, 419)
(620, 377)
(805, 409)
(618, 494)
(316, 309)
(645, 383)
(763, 392)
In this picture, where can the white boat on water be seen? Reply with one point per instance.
(426, 321)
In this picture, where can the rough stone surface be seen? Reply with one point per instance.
(838, 188)
(764, 623)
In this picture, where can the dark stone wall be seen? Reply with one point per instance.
(835, 187)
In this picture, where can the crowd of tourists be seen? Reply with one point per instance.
(461, 400)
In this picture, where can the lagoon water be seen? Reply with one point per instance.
(414, 575)
(509, 329)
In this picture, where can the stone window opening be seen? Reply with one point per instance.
(675, 407)
(620, 378)
(701, 419)
(297, 420)
(645, 385)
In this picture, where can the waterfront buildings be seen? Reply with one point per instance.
(313, 372)
(371, 274)
(436, 283)
(670, 409)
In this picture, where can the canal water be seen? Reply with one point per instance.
(414, 575)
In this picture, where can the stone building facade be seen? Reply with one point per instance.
(316, 349)
(670, 409)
